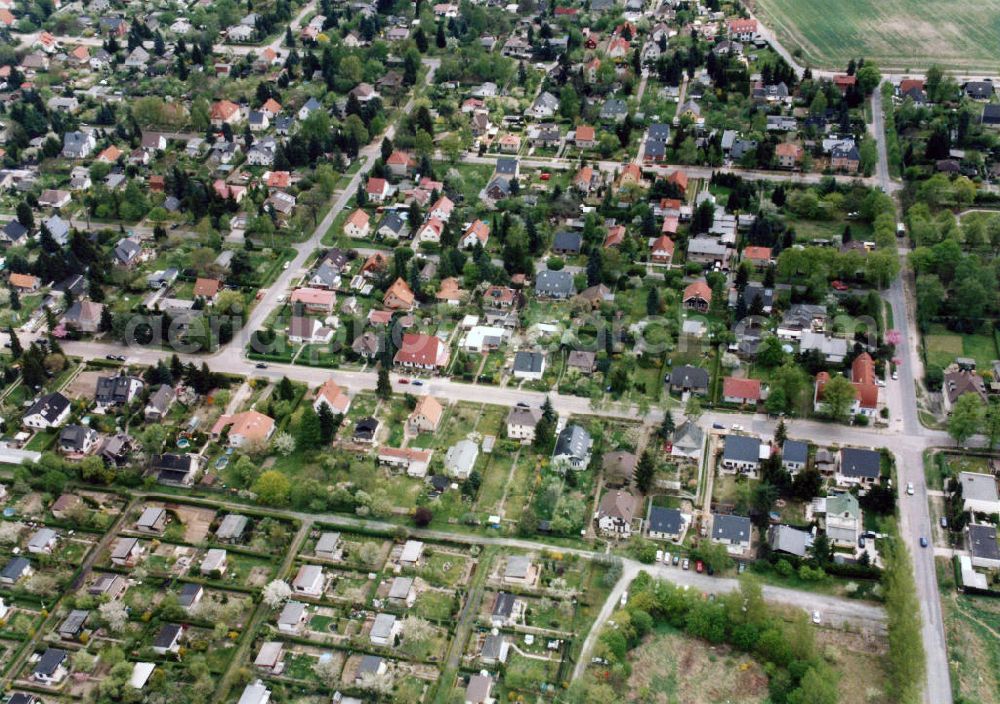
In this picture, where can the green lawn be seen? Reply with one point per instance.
(901, 34)
(943, 346)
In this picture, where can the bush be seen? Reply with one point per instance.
(555, 264)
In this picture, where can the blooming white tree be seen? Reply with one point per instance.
(276, 593)
(114, 615)
(284, 443)
(417, 630)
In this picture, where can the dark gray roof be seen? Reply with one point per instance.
(658, 132)
(865, 464)
(188, 593)
(74, 623)
(665, 520)
(167, 635)
(369, 663)
(795, 451)
(689, 377)
(74, 436)
(555, 283)
(15, 568)
(506, 166)
(573, 441)
(991, 114)
(504, 604)
(528, 361)
(741, 448)
(50, 406)
(50, 661)
(983, 542)
(567, 241)
(734, 529)
(789, 540)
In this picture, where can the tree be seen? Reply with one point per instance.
(15, 343)
(272, 488)
(645, 471)
(284, 443)
(276, 593)
(992, 423)
(667, 426)
(967, 416)
(838, 397)
(692, 409)
(416, 630)
(24, 215)
(114, 615)
(309, 430)
(383, 388)
(780, 433)
(422, 516)
(869, 77)
(327, 424)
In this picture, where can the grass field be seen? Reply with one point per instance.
(972, 626)
(897, 34)
(943, 346)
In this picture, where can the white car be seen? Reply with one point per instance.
(816, 618)
(666, 558)
(909, 488)
(895, 375)
(659, 556)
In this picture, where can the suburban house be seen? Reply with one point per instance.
(292, 617)
(314, 300)
(732, 531)
(419, 351)
(666, 524)
(981, 541)
(507, 610)
(328, 546)
(214, 562)
(686, 379)
(384, 630)
(573, 446)
(528, 365)
(51, 668)
(520, 570)
(861, 468)
(461, 458)
(309, 581)
(153, 519)
(116, 391)
(794, 456)
(331, 395)
(742, 391)
(521, 422)
(414, 462)
(125, 552)
(618, 468)
(979, 493)
(49, 411)
(742, 454)
(271, 657)
(245, 429)
(789, 541)
(841, 518)
(426, 415)
(697, 296)
(616, 513)
(555, 284)
(687, 442)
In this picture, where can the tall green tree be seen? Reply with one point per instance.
(383, 387)
(838, 397)
(966, 418)
(644, 473)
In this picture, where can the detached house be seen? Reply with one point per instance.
(742, 391)
(419, 351)
(732, 531)
(573, 448)
(742, 454)
(426, 415)
(858, 467)
(616, 513)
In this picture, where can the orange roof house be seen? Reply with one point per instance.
(224, 112)
(278, 179)
(376, 262)
(246, 428)
(865, 385)
(24, 282)
(110, 155)
(662, 251)
(332, 395)
(478, 231)
(357, 224)
(631, 176)
(399, 296)
(741, 390)
(207, 288)
(449, 291)
(272, 107)
(758, 256)
(697, 296)
(6, 18)
(314, 300)
(426, 416)
(585, 134)
(421, 351)
(615, 236)
(843, 81)
(680, 179)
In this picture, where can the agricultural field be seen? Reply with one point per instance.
(897, 34)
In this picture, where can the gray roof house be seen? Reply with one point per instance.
(688, 441)
(665, 523)
(788, 540)
(614, 110)
(461, 458)
(529, 365)
(567, 242)
(15, 568)
(573, 448)
(687, 378)
(732, 531)
(741, 453)
(555, 284)
(231, 528)
(857, 466)
(794, 455)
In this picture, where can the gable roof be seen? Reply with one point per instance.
(856, 462)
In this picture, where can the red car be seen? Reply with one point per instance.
(404, 381)
(699, 566)
(545, 176)
(839, 286)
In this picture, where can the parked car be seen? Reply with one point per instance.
(686, 564)
(923, 541)
(839, 286)
(417, 382)
(404, 381)
(895, 375)
(260, 365)
(666, 558)
(816, 618)
(699, 566)
(944, 522)
(677, 559)
(659, 556)
(909, 488)
(718, 426)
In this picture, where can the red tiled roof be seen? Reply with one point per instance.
(698, 289)
(741, 388)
